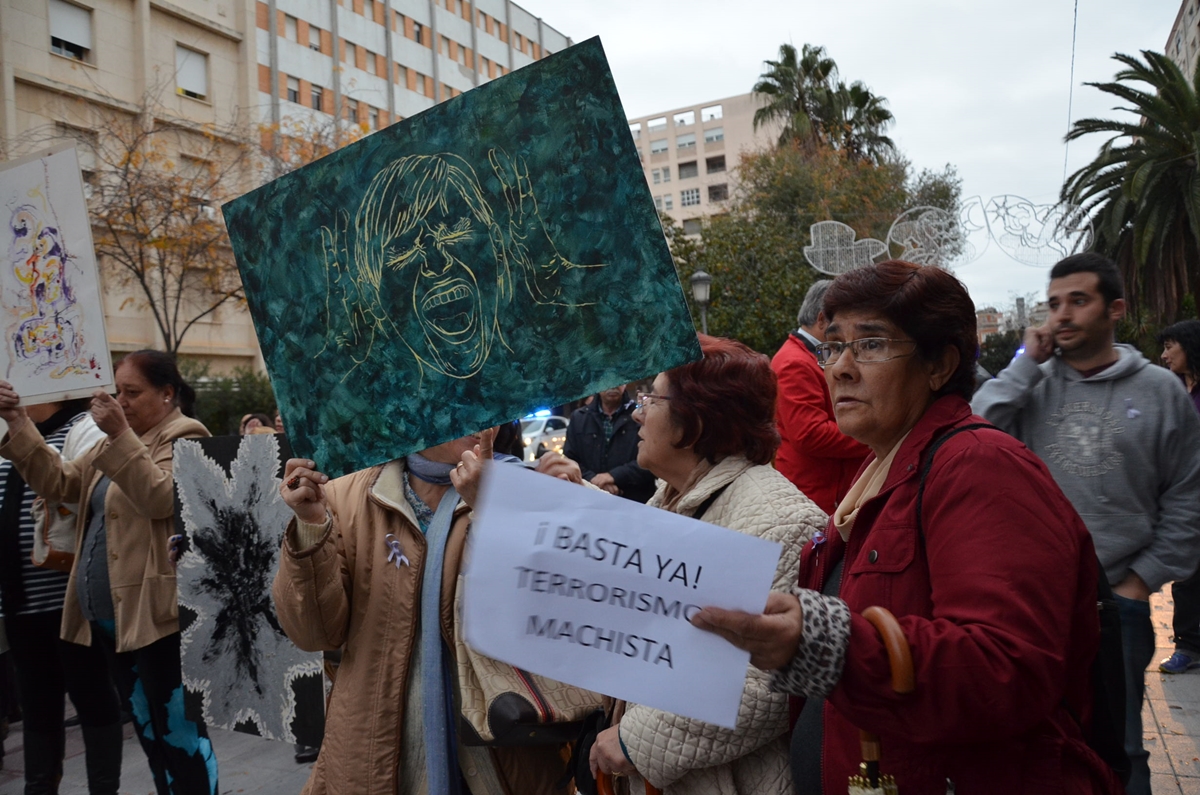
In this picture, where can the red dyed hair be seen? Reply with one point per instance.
(928, 303)
(725, 403)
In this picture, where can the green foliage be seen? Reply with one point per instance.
(998, 350)
(1143, 188)
(802, 92)
(222, 401)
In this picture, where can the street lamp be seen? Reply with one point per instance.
(701, 282)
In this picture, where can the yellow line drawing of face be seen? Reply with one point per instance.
(425, 249)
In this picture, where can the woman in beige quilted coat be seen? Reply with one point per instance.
(708, 433)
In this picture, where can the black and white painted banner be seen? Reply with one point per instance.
(247, 673)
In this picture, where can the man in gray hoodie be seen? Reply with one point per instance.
(1122, 439)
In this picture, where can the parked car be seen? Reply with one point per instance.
(542, 435)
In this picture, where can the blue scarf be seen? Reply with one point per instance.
(437, 699)
(439, 474)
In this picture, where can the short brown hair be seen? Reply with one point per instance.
(927, 303)
(725, 402)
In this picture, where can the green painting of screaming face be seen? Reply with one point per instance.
(497, 253)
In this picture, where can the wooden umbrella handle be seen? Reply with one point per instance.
(604, 785)
(899, 654)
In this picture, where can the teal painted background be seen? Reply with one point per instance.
(497, 253)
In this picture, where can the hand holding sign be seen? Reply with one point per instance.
(597, 592)
(303, 489)
(771, 638)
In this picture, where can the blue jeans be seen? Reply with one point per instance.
(1137, 636)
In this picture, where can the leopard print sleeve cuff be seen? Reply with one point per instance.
(817, 666)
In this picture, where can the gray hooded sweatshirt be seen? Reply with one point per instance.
(1124, 445)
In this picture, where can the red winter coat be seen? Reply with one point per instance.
(999, 607)
(817, 457)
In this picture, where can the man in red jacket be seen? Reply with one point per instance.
(817, 457)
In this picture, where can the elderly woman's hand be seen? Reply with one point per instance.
(469, 472)
(10, 410)
(771, 638)
(303, 489)
(108, 414)
(559, 466)
(607, 756)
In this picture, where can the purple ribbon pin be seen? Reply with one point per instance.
(394, 553)
(1130, 411)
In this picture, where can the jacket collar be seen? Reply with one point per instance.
(805, 339)
(387, 490)
(722, 474)
(946, 412)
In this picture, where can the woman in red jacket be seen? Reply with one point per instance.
(994, 588)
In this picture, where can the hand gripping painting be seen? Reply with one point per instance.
(249, 677)
(51, 313)
(497, 253)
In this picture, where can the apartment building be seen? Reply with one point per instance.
(1183, 43)
(251, 70)
(688, 154)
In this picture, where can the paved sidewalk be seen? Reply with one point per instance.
(250, 765)
(247, 765)
(1171, 717)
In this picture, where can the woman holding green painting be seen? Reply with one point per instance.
(360, 572)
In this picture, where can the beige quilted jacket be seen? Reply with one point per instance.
(682, 756)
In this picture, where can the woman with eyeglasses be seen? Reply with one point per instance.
(708, 434)
(976, 551)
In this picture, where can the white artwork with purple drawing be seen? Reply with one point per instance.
(51, 313)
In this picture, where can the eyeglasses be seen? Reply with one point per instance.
(869, 350)
(646, 399)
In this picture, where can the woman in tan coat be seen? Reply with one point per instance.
(355, 565)
(121, 592)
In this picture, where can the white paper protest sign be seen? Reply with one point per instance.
(596, 591)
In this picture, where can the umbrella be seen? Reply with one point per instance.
(869, 780)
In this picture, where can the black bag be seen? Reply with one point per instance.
(1107, 735)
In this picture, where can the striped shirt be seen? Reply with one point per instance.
(44, 588)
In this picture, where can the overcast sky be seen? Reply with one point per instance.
(981, 85)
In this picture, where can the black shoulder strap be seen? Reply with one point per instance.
(704, 506)
(941, 440)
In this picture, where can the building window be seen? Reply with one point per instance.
(711, 113)
(654, 125)
(370, 58)
(658, 146)
(689, 197)
(635, 130)
(191, 72)
(688, 170)
(293, 89)
(352, 111)
(314, 38)
(685, 141)
(666, 172)
(289, 28)
(373, 121)
(692, 226)
(668, 202)
(685, 119)
(368, 9)
(318, 96)
(714, 165)
(420, 83)
(419, 32)
(656, 176)
(714, 135)
(658, 203)
(718, 193)
(70, 30)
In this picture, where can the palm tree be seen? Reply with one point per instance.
(795, 89)
(1143, 189)
(855, 122)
